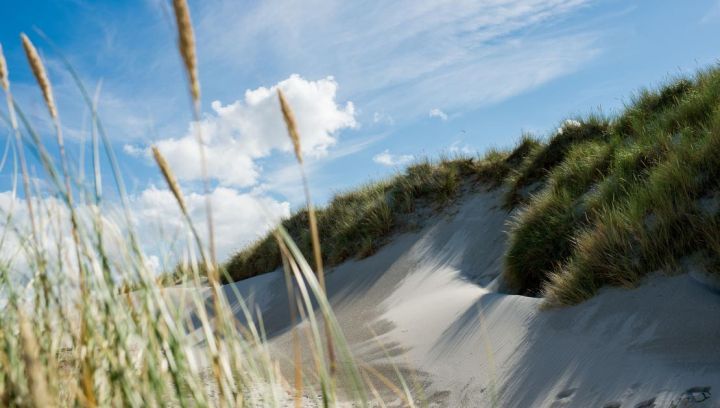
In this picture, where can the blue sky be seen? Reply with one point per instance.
(375, 83)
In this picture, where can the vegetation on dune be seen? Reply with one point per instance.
(636, 194)
(602, 201)
(542, 158)
(356, 223)
(72, 335)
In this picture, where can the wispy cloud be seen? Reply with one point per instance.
(388, 159)
(458, 147)
(712, 15)
(239, 217)
(399, 58)
(383, 118)
(437, 113)
(393, 55)
(133, 150)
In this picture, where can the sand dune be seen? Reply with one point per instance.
(434, 297)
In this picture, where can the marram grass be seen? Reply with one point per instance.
(71, 336)
(604, 200)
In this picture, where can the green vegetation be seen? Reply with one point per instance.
(621, 198)
(72, 335)
(603, 201)
(356, 224)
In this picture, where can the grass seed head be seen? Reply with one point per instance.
(169, 177)
(40, 74)
(289, 118)
(186, 43)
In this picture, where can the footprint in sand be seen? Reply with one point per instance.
(646, 404)
(692, 397)
(562, 398)
(566, 394)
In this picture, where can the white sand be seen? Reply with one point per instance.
(434, 298)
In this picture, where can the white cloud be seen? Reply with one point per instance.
(383, 118)
(459, 148)
(388, 159)
(408, 54)
(437, 113)
(52, 222)
(238, 218)
(133, 150)
(238, 134)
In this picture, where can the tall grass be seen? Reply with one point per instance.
(621, 198)
(602, 201)
(71, 336)
(358, 222)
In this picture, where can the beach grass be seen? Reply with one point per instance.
(86, 322)
(639, 197)
(358, 222)
(603, 200)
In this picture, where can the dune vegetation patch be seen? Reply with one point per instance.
(601, 201)
(85, 320)
(358, 222)
(633, 195)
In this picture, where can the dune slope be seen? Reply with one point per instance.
(435, 300)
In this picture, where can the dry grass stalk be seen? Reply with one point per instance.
(291, 124)
(4, 82)
(37, 382)
(38, 69)
(40, 74)
(212, 271)
(169, 177)
(292, 129)
(289, 118)
(186, 43)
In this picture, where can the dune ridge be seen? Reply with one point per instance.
(435, 299)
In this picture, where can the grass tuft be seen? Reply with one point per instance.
(105, 332)
(622, 198)
(604, 201)
(357, 223)
(543, 158)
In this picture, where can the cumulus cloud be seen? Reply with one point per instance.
(238, 134)
(52, 223)
(239, 218)
(437, 113)
(388, 159)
